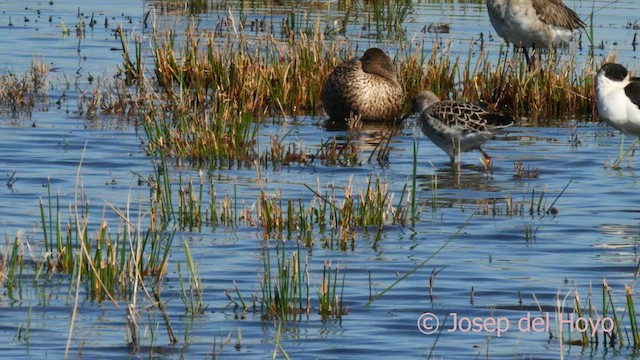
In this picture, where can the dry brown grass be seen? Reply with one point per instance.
(20, 94)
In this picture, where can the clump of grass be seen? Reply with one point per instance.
(107, 264)
(283, 154)
(530, 232)
(191, 7)
(11, 267)
(522, 173)
(329, 298)
(112, 97)
(264, 76)
(285, 289)
(342, 215)
(133, 70)
(20, 94)
(388, 16)
(339, 152)
(438, 73)
(382, 144)
(559, 89)
(220, 137)
(375, 205)
(616, 165)
(371, 207)
(285, 293)
(533, 204)
(594, 327)
(239, 302)
(190, 205)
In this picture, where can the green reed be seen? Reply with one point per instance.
(190, 204)
(285, 288)
(222, 136)
(112, 96)
(330, 301)
(592, 320)
(281, 153)
(632, 317)
(24, 329)
(106, 262)
(13, 262)
(341, 215)
(161, 189)
(388, 16)
(191, 293)
(198, 203)
(607, 303)
(584, 335)
(239, 303)
(133, 69)
(530, 231)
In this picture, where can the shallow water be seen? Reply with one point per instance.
(512, 264)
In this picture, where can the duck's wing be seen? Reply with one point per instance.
(342, 74)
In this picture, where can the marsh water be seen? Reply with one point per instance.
(466, 256)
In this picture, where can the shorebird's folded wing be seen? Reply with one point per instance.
(633, 92)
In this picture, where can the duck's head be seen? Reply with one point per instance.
(375, 61)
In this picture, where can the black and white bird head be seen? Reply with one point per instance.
(612, 74)
(618, 98)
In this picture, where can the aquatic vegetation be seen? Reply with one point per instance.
(562, 90)
(133, 69)
(633, 320)
(191, 292)
(522, 173)
(213, 85)
(269, 77)
(12, 266)
(595, 325)
(203, 101)
(335, 152)
(20, 94)
(111, 97)
(107, 264)
(285, 289)
(340, 216)
(388, 16)
(329, 298)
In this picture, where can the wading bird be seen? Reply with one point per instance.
(533, 23)
(457, 127)
(618, 103)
